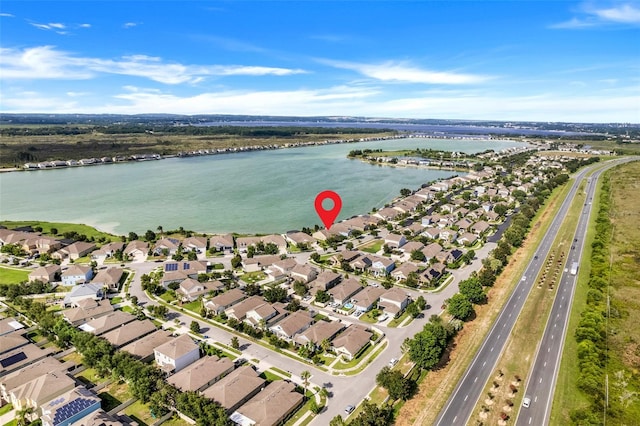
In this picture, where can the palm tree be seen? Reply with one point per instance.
(305, 375)
(325, 345)
(160, 229)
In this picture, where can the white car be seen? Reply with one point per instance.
(392, 362)
(526, 402)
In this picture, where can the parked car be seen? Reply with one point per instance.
(349, 409)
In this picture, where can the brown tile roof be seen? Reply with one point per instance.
(44, 388)
(87, 308)
(201, 373)
(235, 388)
(107, 322)
(129, 332)
(353, 339)
(320, 331)
(271, 405)
(177, 347)
(109, 277)
(345, 289)
(144, 347)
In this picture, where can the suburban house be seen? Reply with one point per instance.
(69, 407)
(291, 325)
(199, 244)
(127, 333)
(243, 243)
(412, 246)
(281, 269)
(11, 341)
(81, 292)
(266, 314)
(46, 274)
(365, 299)
(361, 263)
(137, 249)
(240, 309)
(223, 243)
(480, 227)
(143, 348)
(402, 272)
(24, 375)
(108, 278)
(432, 233)
(16, 355)
(107, 322)
(258, 263)
(191, 289)
(467, 239)
(41, 245)
(351, 341)
(166, 245)
(318, 332)
(201, 374)
(395, 240)
(305, 273)
(75, 251)
(175, 272)
(176, 354)
(107, 251)
(236, 388)
(278, 240)
(344, 256)
(382, 266)
(326, 280)
(216, 305)
(343, 292)
(270, 406)
(39, 391)
(87, 309)
(388, 213)
(300, 238)
(77, 274)
(432, 273)
(394, 300)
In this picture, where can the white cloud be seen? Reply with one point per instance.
(400, 72)
(84, 25)
(46, 62)
(52, 26)
(7, 15)
(130, 24)
(591, 16)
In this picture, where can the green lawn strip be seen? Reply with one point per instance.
(253, 277)
(91, 376)
(368, 317)
(114, 395)
(12, 275)
(175, 421)
(194, 306)
(360, 366)
(167, 296)
(89, 231)
(270, 377)
(73, 357)
(373, 246)
(140, 412)
(397, 321)
(13, 422)
(6, 409)
(284, 373)
(115, 300)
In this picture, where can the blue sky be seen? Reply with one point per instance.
(482, 60)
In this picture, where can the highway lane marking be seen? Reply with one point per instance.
(475, 380)
(536, 399)
(548, 349)
(540, 379)
(454, 419)
(484, 363)
(530, 418)
(466, 397)
(491, 348)
(545, 363)
(499, 336)
(552, 337)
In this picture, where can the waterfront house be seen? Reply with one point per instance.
(77, 274)
(305, 273)
(278, 240)
(222, 243)
(243, 243)
(199, 244)
(176, 354)
(75, 251)
(166, 245)
(107, 251)
(137, 249)
(300, 238)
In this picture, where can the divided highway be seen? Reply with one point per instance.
(463, 400)
(542, 379)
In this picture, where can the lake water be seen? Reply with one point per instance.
(254, 192)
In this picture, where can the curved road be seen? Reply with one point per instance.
(465, 396)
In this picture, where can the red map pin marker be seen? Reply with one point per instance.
(328, 216)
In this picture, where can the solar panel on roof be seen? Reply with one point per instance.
(186, 266)
(170, 267)
(71, 409)
(8, 362)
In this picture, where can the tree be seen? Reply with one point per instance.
(405, 192)
(315, 256)
(195, 326)
(322, 296)
(277, 294)
(150, 235)
(252, 289)
(427, 346)
(460, 307)
(472, 290)
(235, 342)
(134, 300)
(300, 288)
(133, 236)
(413, 310)
(337, 421)
(486, 276)
(372, 415)
(236, 261)
(396, 384)
(417, 255)
(421, 303)
(305, 376)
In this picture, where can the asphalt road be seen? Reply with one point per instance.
(541, 382)
(466, 394)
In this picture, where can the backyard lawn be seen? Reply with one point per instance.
(13, 276)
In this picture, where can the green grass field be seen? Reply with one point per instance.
(61, 227)
(13, 276)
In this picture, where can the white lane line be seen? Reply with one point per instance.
(484, 363)
(552, 337)
(530, 418)
(454, 419)
(540, 379)
(535, 399)
(549, 349)
(466, 397)
(545, 363)
(475, 380)
(491, 348)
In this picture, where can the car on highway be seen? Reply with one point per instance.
(526, 402)
(349, 409)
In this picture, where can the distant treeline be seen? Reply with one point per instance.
(243, 131)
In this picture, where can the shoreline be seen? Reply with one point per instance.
(72, 163)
